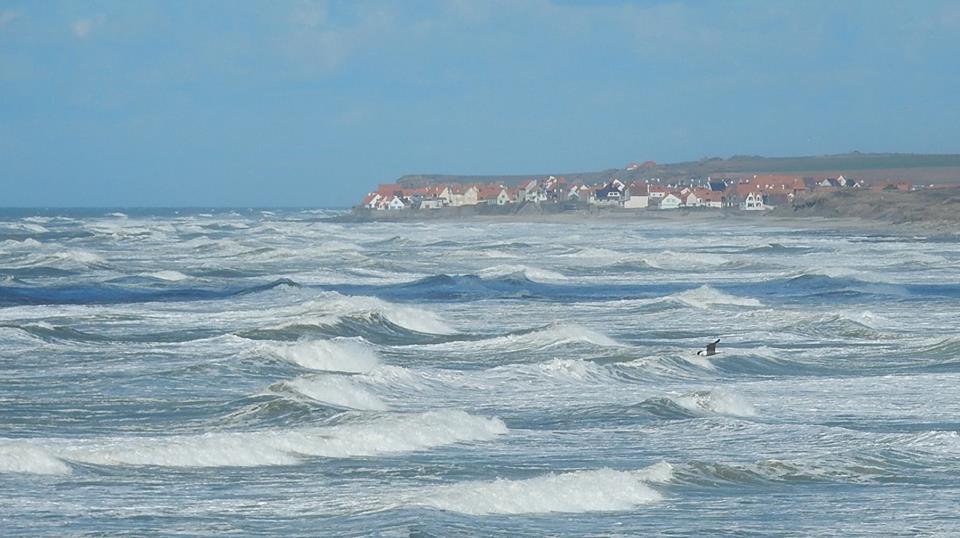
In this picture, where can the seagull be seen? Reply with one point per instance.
(711, 349)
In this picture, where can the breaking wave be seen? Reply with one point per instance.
(705, 297)
(602, 490)
(330, 355)
(396, 434)
(522, 271)
(698, 403)
(544, 337)
(336, 390)
(23, 457)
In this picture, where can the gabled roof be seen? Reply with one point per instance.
(487, 192)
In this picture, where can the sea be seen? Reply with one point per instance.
(280, 372)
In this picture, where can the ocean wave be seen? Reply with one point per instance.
(340, 355)
(698, 403)
(105, 293)
(335, 390)
(778, 248)
(716, 402)
(558, 369)
(706, 297)
(551, 335)
(385, 435)
(24, 457)
(358, 315)
(832, 326)
(530, 273)
(601, 490)
(167, 275)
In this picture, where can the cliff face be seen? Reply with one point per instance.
(933, 206)
(919, 169)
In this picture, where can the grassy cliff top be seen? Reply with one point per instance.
(918, 168)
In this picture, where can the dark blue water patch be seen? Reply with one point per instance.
(373, 327)
(24, 273)
(777, 248)
(841, 289)
(463, 288)
(106, 293)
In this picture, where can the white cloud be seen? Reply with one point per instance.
(7, 16)
(82, 28)
(319, 43)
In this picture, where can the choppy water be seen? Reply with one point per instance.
(271, 373)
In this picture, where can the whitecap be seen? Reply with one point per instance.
(341, 355)
(24, 457)
(705, 297)
(601, 490)
(168, 275)
(530, 273)
(336, 390)
(718, 402)
(394, 434)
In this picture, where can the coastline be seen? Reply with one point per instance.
(786, 217)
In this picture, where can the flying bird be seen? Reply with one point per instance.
(711, 349)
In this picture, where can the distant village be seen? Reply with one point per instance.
(756, 192)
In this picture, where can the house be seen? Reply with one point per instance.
(689, 198)
(670, 201)
(396, 203)
(372, 201)
(431, 203)
(612, 193)
(753, 201)
(637, 196)
(829, 183)
(657, 191)
(492, 195)
(711, 198)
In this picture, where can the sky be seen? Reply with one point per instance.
(313, 103)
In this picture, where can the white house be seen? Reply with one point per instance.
(372, 201)
(396, 203)
(752, 202)
(637, 196)
(690, 199)
(657, 191)
(670, 201)
(431, 203)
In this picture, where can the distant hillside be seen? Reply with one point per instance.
(937, 169)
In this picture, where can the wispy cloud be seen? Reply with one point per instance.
(7, 16)
(321, 43)
(82, 28)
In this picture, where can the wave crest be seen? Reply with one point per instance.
(395, 434)
(602, 490)
(329, 355)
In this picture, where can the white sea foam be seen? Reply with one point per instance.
(335, 306)
(552, 335)
(531, 273)
(26, 243)
(168, 275)
(340, 355)
(602, 490)
(80, 256)
(719, 402)
(24, 457)
(337, 390)
(705, 297)
(33, 228)
(395, 434)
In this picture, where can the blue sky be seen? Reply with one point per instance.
(312, 103)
